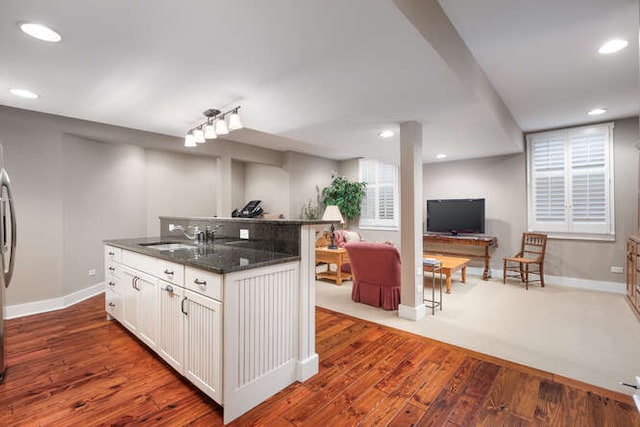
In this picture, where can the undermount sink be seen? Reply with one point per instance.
(164, 246)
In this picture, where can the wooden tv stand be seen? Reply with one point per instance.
(481, 240)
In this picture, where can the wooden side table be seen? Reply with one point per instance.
(450, 265)
(333, 256)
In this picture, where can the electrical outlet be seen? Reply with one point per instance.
(244, 233)
(92, 272)
(244, 261)
(616, 269)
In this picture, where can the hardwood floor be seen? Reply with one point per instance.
(72, 367)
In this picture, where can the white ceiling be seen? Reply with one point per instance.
(321, 77)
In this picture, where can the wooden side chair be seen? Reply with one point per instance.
(531, 253)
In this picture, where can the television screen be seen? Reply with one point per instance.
(455, 216)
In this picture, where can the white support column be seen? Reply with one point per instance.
(412, 304)
(308, 361)
(223, 194)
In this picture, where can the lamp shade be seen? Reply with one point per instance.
(210, 132)
(198, 135)
(332, 213)
(234, 121)
(189, 140)
(221, 127)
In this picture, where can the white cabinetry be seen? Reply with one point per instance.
(140, 304)
(240, 337)
(184, 327)
(170, 325)
(203, 343)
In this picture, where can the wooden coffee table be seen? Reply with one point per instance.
(333, 256)
(449, 266)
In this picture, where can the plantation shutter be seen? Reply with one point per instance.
(569, 174)
(548, 182)
(380, 204)
(589, 180)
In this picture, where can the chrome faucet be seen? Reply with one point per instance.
(197, 234)
(210, 234)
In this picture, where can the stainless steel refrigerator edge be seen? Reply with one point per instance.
(7, 252)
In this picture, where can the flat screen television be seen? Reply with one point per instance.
(455, 216)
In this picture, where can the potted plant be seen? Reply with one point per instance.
(313, 210)
(345, 194)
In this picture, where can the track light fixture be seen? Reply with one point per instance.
(212, 127)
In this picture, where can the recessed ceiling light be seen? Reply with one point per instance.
(613, 46)
(40, 32)
(597, 111)
(441, 156)
(24, 93)
(386, 134)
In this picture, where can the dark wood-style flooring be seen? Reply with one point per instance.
(72, 367)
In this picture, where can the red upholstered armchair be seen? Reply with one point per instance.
(376, 270)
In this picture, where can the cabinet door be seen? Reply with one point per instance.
(203, 344)
(147, 288)
(170, 340)
(130, 299)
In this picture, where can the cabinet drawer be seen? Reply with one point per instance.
(204, 282)
(112, 270)
(112, 254)
(114, 284)
(114, 305)
(138, 261)
(165, 270)
(169, 271)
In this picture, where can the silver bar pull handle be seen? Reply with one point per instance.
(200, 282)
(6, 185)
(168, 272)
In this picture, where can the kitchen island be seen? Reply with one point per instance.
(236, 317)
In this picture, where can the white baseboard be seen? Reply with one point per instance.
(27, 309)
(412, 313)
(307, 368)
(569, 282)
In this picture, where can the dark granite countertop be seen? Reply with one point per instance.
(250, 220)
(224, 256)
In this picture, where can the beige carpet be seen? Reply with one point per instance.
(586, 335)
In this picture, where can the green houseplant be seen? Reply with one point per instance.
(345, 194)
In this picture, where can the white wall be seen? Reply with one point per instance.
(102, 185)
(178, 185)
(33, 158)
(72, 192)
(237, 189)
(306, 173)
(269, 184)
(500, 180)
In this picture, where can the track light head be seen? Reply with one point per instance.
(213, 126)
(234, 120)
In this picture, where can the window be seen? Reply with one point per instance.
(570, 182)
(380, 204)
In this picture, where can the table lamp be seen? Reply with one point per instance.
(332, 213)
